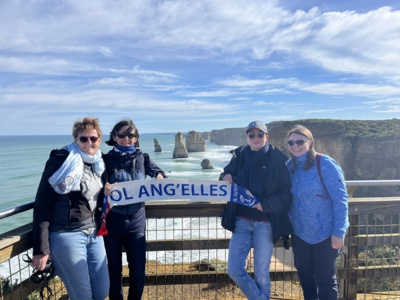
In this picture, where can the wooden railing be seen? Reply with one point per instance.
(374, 224)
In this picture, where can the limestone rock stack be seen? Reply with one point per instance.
(195, 142)
(157, 147)
(180, 150)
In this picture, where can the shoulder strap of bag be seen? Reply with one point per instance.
(318, 160)
(146, 158)
(240, 160)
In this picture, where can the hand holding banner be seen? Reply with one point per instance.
(129, 192)
(136, 191)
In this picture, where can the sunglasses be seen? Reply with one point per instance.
(84, 139)
(298, 142)
(129, 135)
(252, 135)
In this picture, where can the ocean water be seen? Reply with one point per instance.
(22, 160)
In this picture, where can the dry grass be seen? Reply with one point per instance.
(216, 290)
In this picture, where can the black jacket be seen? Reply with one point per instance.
(276, 197)
(55, 212)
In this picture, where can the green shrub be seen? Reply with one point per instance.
(379, 256)
(5, 285)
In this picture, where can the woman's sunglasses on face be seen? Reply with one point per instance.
(129, 135)
(298, 142)
(252, 135)
(84, 139)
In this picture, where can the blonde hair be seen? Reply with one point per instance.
(87, 123)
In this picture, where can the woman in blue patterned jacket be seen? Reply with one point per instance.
(319, 215)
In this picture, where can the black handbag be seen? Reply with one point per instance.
(229, 216)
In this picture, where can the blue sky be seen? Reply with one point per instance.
(195, 65)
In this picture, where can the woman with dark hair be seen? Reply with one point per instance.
(318, 215)
(126, 224)
(66, 214)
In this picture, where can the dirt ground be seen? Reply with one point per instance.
(223, 290)
(282, 290)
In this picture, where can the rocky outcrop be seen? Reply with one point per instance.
(194, 142)
(180, 150)
(206, 164)
(366, 150)
(157, 147)
(206, 135)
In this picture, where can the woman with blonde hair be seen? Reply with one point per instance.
(319, 215)
(67, 212)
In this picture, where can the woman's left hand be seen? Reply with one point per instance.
(258, 206)
(107, 189)
(159, 176)
(337, 242)
(39, 261)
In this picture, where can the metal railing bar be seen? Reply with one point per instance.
(372, 182)
(16, 210)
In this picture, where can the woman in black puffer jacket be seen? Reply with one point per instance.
(126, 224)
(67, 212)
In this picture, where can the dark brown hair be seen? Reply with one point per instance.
(117, 128)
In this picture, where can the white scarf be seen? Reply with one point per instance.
(68, 177)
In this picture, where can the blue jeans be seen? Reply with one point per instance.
(80, 261)
(258, 235)
(316, 268)
(127, 231)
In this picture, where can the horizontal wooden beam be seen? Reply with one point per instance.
(15, 242)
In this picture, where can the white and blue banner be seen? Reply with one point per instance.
(129, 192)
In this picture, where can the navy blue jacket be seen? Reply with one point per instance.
(128, 167)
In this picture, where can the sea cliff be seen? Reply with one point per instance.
(366, 149)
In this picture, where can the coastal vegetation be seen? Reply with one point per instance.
(379, 256)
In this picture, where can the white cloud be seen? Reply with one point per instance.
(349, 42)
(189, 61)
(361, 90)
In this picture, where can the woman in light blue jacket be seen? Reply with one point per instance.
(319, 215)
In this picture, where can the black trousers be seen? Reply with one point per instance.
(316, 268)
(127, 231)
